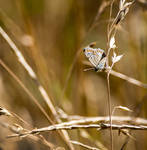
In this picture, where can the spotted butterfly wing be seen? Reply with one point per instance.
(96, 57)
(101, 64)
(94, 60)
(88, 51)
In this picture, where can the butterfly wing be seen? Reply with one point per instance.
(99, 52)
(101, 64)
(94, 59)
(88, 52)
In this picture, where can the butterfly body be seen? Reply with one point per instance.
(96, 56)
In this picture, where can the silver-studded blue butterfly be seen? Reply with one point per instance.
(96, 56)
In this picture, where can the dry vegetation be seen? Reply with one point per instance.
(47, 100)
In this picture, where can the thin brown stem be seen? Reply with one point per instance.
(109, 107)
(101, 126)
(25, 89)
(128, 79)
(41, 89)
(91, 120)
(36, 138)
(108, 27)
(84, 145)
(34, 100)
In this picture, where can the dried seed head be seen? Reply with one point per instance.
(112, 43)
(124, 9)
(116, 58)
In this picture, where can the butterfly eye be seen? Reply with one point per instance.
(84, 49)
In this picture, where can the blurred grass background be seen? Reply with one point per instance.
(50, 33)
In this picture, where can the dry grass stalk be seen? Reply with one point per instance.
(111, 31)
(84, 145)
(101, 126)
(25, 89)
(18, 130)
(33, 75)
(85, 120)
(121, 76)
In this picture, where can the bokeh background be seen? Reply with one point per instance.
(51, 35)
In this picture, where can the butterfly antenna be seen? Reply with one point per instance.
(92, 44)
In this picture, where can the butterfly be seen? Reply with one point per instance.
(96, 56)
